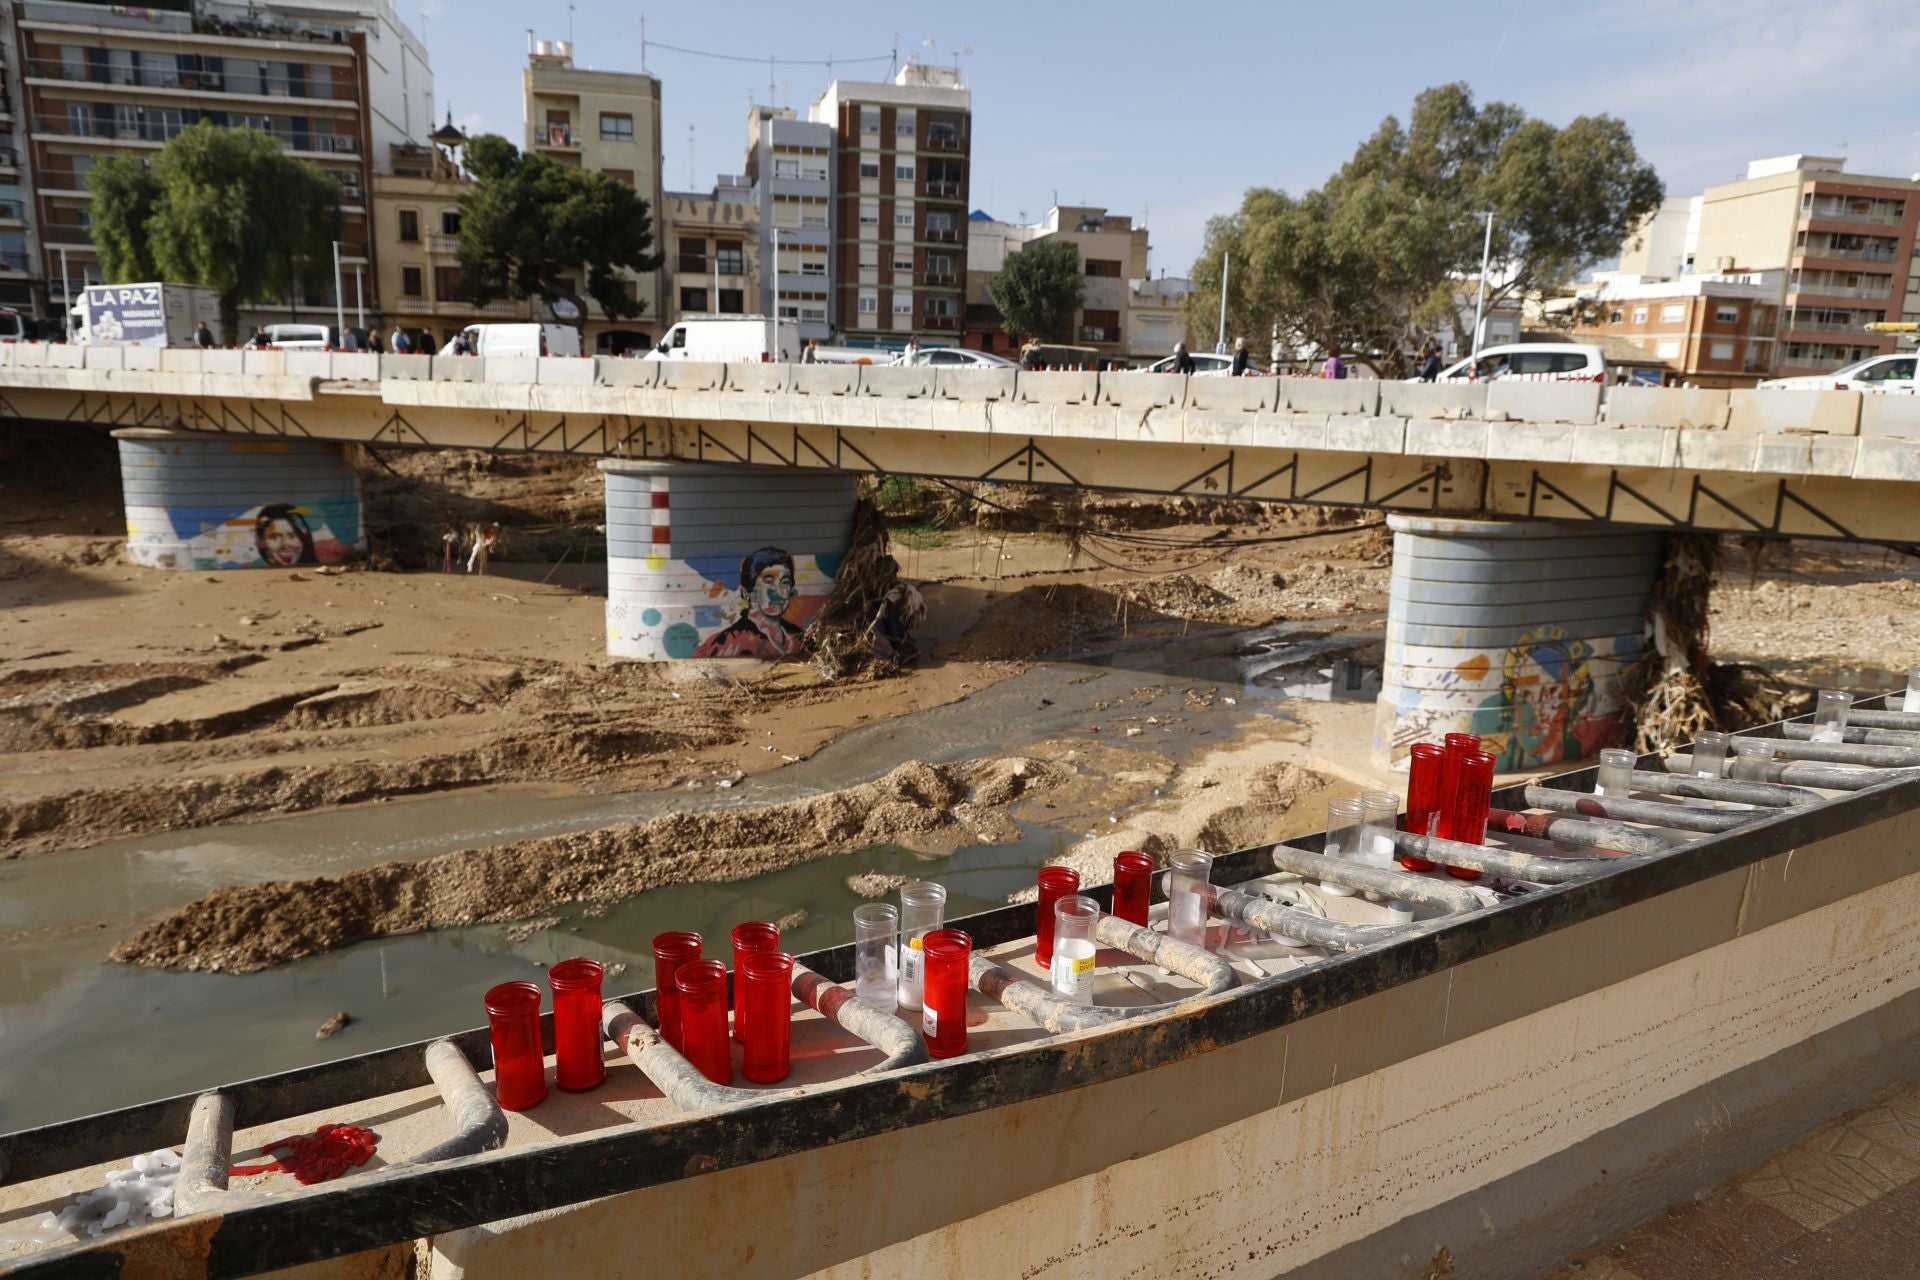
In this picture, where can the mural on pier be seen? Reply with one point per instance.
(756, 604)
(268, 536)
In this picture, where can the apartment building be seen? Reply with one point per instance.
(610, 121)
(100, 79)
(1710, 331)
(1113, 263)
(790, 165)
(20, 271)
(713, 248)
(1846, 244)
(1156, 317)
(899, 210)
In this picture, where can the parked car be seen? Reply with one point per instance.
(13, 326)
(1206, 364)
(1876, 373)
(300, 337)
(1530, 362)
(961, 358)
(525, 339)
(727, 339)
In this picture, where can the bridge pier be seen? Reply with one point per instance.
(1516, 631)
(720, 561)
(208, 501)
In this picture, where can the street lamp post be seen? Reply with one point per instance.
(1480, 305)
(774, 235)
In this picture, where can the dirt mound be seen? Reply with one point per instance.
(1036, 621)
(251, 927)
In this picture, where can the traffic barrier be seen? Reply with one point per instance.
(1130, 390)
(900, 384)
(826, 379)
(618, 372)
(692, 375)
(104, 357)
(1890, 415)
(1667, 406)
(406, 368)
(262, 362)
(175, 359)
(1051, 386)
(563, 371)
(1358, 397)
(761, 379)
(1231, 395)
(978, 384)
(1437, 400)
(1834, 413)
(355, 366)
(65, 357)
(459, 369)
(228, 361)
(1575, 402)
(308, 364)
(145, 359)
(510, 368)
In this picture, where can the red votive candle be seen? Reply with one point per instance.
(578, 1062)
(670, 951)
(519, 1067)
(767, 977)
(1132, 886)
(1424, 796)
(703, 1018)
(1055, 884)
(943, 1015)
(1457, 745)
(1470, 804)
(754, 935)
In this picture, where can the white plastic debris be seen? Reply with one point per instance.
(132, 1198)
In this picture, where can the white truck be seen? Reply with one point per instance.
(522, 339)
(144, 315)
(728, 340)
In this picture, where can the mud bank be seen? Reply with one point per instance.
(248, 928)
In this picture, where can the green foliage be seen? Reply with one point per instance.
(899, 493)
(532, 224)
(220, 207)
(1385, 252)
(1038, 290)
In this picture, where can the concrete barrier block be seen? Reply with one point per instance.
(1088, 421)
(760, 379)
(1834, 413)
(1715, 451)
(513, 369)
(264, 364)
(1126, 389)
(66, 356)
(406, 368)
(1016, 419)
(6, 353)
(1530, 441)
(1289, 431)
(1439, 401)
(826, 379)
(1577, 402)
(976, 383)
(1801, 454)
(175, 359)
(692, 375)
(459, 369)
(29, 355)
(147, 359)
(222, 360)
(308, 364)
(1626, 446)
(356, 366)
(1887, 458)
(1667, 406)
(1368, 435)
(563, 371)
(1447, 438)
(909, 383)
(1886, 414)
(1217, 427)
(1352, 397)
(1050, 386)
(622, 371)
(1232, 395)
(104, 357)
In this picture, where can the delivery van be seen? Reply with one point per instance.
(727, 339)
(500, 341)
(144, 315)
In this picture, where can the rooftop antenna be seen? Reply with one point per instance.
(643, 44)
(689, 157)
(772, 100)
(569, 28)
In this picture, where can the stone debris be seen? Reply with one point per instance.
(333, 1026)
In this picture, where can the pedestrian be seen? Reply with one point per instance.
(1182, 362)
(376, 343)
(259, 338)
(203, 337)
(812, 354)
(1430, 368)
(1240, 359)
(1335, 367)
(402, 344)
(349, 340)
(910, 352)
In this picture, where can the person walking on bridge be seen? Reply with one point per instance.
(1182, 361)
(1335, 367)
(203, 337)
(1241, 359)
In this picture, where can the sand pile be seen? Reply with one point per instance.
(250, 927)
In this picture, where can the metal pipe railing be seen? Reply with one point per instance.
(661, 1063)
(1861, 735)
(1908, 720)
(1764, 795)
(1303, 927)
(1847, 753)
(1679, 817)
(1585, 833)
(1449, 898)
(898, 1042)
(475, 1117)
(1506, 862)
(206, 1155)
(1026, 996)
(1826, 776)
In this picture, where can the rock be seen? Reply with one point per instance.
(332, 1025)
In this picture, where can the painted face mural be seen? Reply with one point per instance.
(1547, 684)
(762, 631)
(772, 589)
(278, 535)
(283, 538)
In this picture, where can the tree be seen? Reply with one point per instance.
(1389, 249)
(221, 207)
(1038, 289)
(532, 224)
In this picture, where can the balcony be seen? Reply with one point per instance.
(9, 158)
(558, 137)
(943, 142)
(1096, 333)
(937, 278)
(156, 129)
(13, 260)
(1819, 289)
(941, 321)
(442, 244)
(1871, 218)
(943, 189)
(335, 90)
(12, 211)
(943, 235)
(1790, 325)
(1869, 253)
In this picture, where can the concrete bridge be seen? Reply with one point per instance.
(1526, 515)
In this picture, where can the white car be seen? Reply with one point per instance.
(1877, 373)
(1206, 364)
(960, 358)
(1530, 362)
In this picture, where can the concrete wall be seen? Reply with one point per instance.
(720, 562)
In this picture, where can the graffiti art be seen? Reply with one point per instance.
(274, 535)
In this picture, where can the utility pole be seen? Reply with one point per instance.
(774, 232)
(1480, 305)
(339, 301)
(1226, 272)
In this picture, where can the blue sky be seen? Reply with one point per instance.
(1172, 111)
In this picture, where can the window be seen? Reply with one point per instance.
(903, 172)
(903, 304)
(939, 266)
(1615, 316)
(730, 258)
(409, 226)
(1673, 312)
(693, 254)
(943, 137)
(450, 222)
(615, 127)
(410, 282)
(940, 308)
(1726, 313)
(869, 304)
(869, 214)
(733, 302)
(693, 299)
(1667, 350)
(903, 217)
(1102, 267)
(786, 168)
(903, 122)
(869, 257)
(449, 284)
(903, 264)
(815, 169)
(869, 168)
(1639, 315)
(870, 120)
(620, 175)
(813, 267)
(1721, 351)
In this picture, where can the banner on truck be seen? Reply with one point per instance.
(126, 315)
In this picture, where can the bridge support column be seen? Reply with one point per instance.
(720, 561)
(1516, 631)
(208, 501)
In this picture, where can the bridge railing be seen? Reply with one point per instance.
(1831, 413)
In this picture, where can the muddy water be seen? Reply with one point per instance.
(151, 1033)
